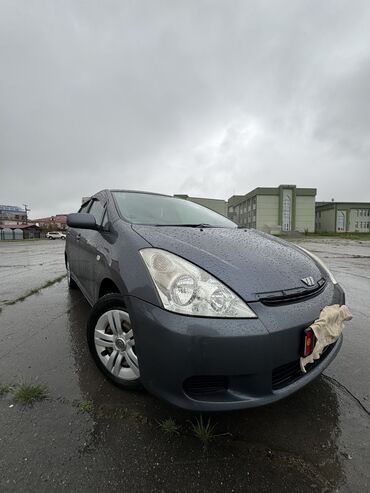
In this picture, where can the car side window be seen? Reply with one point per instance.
(105, 219)
(85, 206)
(97, 209)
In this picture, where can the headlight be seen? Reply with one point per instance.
(320, 263)
(185, 288)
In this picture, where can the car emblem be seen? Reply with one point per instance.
(309, 281)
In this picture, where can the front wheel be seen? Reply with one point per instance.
(111, 341)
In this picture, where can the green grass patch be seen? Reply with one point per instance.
(28, 393)
(204, 431)
(5, 389)
(344, 236)
(169, 426)
(85, 406)
(36, 290)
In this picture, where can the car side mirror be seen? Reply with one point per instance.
(81, 220)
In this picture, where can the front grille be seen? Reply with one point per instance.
(205, 384)
(291, 295)
(291, 372)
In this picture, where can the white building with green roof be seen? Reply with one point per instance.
(342, 217)
(275, 209)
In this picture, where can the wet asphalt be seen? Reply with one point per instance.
(316, 440)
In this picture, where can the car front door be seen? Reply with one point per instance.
(73, 246)
(88, 252)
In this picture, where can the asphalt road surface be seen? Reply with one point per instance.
(90, 436)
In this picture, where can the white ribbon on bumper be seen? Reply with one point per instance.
(327, 328)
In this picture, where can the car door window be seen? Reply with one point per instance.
(85, 207)
(97, 209)
(105, 220)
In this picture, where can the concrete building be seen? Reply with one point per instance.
(275, 209)
(217, 205)
(341, 217)
(12, 214)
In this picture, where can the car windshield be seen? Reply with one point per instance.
(161, 210)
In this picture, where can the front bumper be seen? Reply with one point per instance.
(209, 364)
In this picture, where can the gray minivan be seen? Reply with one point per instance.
(203, 314)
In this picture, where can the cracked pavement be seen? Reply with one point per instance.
(318, 439)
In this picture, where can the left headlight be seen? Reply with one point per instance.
(185, 288)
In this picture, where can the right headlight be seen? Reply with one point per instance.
(321, 264)
(186, 288)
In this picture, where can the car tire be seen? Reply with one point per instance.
(71, 283)
(111, 341)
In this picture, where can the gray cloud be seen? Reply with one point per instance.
(201, 97)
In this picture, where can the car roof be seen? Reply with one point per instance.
(139, 191)
(129, 191)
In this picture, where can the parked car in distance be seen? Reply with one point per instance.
(203, 314)
(56, 235)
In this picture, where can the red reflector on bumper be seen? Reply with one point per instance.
(309, 342)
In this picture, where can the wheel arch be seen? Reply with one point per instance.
(107, 286)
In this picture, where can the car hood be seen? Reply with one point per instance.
(251, 263)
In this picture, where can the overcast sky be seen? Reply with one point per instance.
(210, 98)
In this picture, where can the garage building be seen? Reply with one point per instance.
(19, 231)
